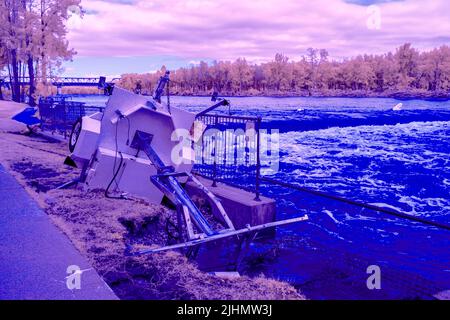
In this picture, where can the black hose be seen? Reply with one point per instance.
(114, 179)
(116, 172)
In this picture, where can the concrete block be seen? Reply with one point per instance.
(239, 204)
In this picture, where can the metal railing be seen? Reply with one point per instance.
(230, 149)
(58, 115)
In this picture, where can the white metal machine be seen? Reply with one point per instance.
(132, 148)
(103, 142)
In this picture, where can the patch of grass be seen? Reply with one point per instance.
(101, 227)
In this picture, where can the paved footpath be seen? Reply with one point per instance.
(35, 254)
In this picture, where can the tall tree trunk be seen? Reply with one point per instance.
(32, 88)
(15, 85)
(21, 81)
(43, 57)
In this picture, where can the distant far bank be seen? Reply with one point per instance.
(429, 96)
(406, 73)
(393, 95)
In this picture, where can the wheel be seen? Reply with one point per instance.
(76, 130)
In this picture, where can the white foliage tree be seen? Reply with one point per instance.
(33, 39)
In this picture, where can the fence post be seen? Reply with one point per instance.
(64, 117)
(258, 160)
(54, 116)
(214, 184)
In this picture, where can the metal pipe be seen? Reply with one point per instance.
(221, 236)
(160, 88)
(168, 184)
(183, 197)
(258, 160)
(223, 102)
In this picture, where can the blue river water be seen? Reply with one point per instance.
(362, 149)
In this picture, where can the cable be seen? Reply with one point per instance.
(359, 204)
(114, 179)
(115, 172)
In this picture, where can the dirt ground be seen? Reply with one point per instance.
(100, 228)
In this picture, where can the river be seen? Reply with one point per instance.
(362, 149)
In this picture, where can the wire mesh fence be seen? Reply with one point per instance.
(229, 148)
(58, 115)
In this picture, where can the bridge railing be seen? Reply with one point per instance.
(60, 82)
(58, 115)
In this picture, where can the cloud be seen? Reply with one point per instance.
(369, 2)
(257, 29)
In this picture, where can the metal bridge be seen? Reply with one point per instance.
(60, 82)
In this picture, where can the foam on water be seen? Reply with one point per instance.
(375, 163)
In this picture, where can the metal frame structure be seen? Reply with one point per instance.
(66, 81)
(212, 120)
(222, 235)
(60, 82)
(58, 115)
(194, 228)
(163, 81)
(166, 181)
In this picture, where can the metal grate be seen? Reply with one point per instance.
(58, 115)
(228, 149)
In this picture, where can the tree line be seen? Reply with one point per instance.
(407, 71)
(33, 42)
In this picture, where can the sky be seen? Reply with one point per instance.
(138, 36)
